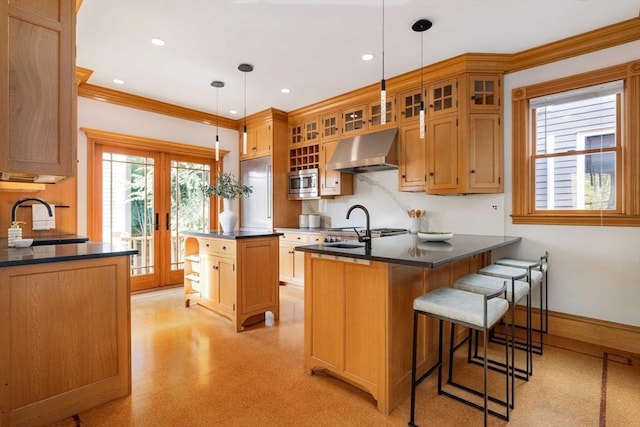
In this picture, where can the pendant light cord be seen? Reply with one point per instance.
(382, 39)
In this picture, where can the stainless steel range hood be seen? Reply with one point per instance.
(375, 151)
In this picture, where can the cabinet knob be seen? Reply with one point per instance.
(337, 182)
(473, 171)
(430, 173)
(430, 105)
(215, 267)
(224, 248)
(404, 176)
(207, 245)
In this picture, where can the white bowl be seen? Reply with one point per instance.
(435, 236)
(23, 243)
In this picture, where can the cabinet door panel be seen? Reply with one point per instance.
(412, 159)
(484, 152)
(364, 294)
(442, 154)
(226, 289)
(327, 317)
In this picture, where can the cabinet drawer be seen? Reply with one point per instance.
(218, 246)
(301, 238)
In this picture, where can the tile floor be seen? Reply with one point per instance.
(190, 369)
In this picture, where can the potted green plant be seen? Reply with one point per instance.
(228, 188)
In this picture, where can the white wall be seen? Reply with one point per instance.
(113, 118)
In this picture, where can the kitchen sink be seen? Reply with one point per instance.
(344, 245)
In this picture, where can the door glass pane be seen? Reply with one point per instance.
(127, 210)
(189, 206)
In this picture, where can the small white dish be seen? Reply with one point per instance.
(435, 236)
(23, 243)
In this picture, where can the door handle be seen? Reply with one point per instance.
(157, 221)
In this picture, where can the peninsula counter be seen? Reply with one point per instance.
(64, 329)
(359, 306)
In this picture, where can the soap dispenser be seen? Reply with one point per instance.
(14, 232)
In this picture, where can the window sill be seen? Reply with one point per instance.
(574, 219)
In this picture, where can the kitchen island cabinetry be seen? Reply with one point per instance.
(358, 307)
(37, 74)
(292, 261)
(238, 274)
(65, 330)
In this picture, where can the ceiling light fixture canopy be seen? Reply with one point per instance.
(217, 84)
(245, 68)
(420, 26)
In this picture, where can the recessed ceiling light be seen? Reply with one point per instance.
(118, 81)
(368, 56)
(233, 111)
(157, 42)
(285, 90)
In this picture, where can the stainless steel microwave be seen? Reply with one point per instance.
(304, 184)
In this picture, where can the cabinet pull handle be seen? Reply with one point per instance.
(167, 221)
(404, 176)
(157, 221)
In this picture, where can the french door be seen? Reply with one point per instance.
(144, 199)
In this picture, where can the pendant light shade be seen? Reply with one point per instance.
(383, 83)
(420, 26)
(217, 84)
(245, 68)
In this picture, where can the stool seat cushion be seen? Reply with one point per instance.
(460, 306)
(521, 263)
(508, 272)
(483, 284)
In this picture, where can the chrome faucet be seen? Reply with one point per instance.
(366, 238)
(26, 199)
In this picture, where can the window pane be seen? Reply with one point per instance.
(576, 182)
(560, 125)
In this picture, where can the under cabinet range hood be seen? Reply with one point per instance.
(375, 151)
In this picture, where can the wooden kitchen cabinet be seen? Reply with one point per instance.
(359, 320)
(375, 114)
(65, 331)
(329, 126)
(409, 105)
(333, 183)
(259, 140)
(464, 139)
(306, 132)
(37, 70)
(412, 166)
(238, 278)
(354, 120)
(292, 261)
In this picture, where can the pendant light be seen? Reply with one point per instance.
(245, 68)
(217, 84)
(421, 25)
(383, 83)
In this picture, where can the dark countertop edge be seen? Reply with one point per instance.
(242, 234)
(347, 253)
(70, 257)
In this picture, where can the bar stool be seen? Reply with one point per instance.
(516, 290)
(541, 265)
(534, 278)
(478, 312)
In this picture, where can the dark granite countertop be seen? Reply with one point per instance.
(408, 249)
(236, 235)
(10, 257)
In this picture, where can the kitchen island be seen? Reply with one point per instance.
(359, 306)
(64, 329)
(234, 275)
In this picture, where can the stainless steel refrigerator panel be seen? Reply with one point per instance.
(257, 209)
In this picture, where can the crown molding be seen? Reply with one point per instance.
(100, 93)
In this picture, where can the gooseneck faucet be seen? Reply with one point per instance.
(367, 234)
(26, 199)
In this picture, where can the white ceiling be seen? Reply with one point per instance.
(312, 47)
